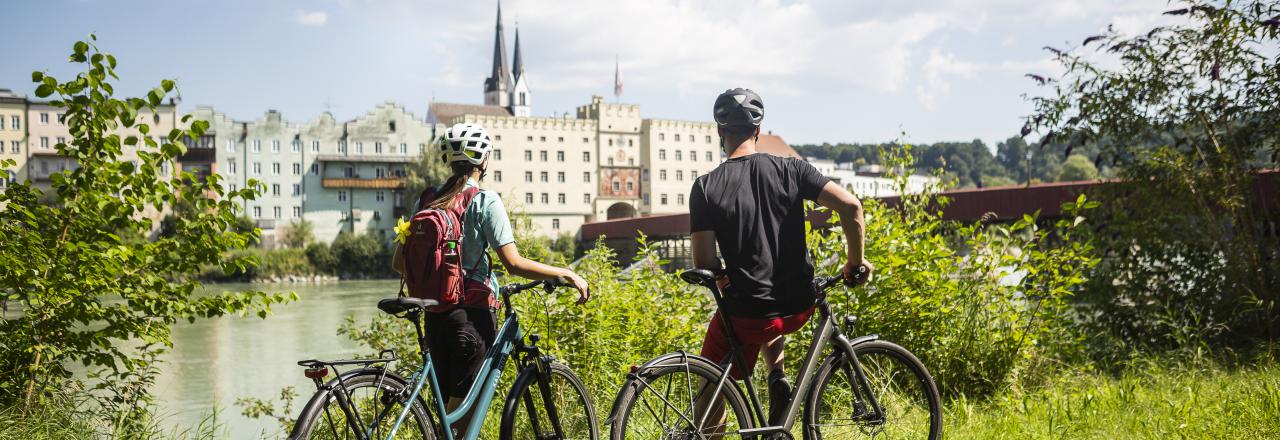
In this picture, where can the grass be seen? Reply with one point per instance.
(63, 422)
(1153, 403)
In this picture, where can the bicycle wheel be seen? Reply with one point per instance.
(838, 408)
(673, 399)
(526, 414)
(375, 400)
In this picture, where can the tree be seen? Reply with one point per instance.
(1189, 112)
(297, 234)
(89, 296)
(1077, 167)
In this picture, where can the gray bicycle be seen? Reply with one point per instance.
(861, 387)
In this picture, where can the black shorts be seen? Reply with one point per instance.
(458, 340)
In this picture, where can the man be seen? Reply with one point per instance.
(752, 206)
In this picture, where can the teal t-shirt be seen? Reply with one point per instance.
(484, 224)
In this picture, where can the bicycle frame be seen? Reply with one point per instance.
(825, 333)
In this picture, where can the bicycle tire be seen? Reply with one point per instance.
(323, 417)
(662, 371)
(525, 414)
(888, 367)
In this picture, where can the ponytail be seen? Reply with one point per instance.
(452, 187)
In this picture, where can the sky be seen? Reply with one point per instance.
(828, 70)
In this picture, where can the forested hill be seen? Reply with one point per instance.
(973, 165)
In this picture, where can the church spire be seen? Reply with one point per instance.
(518, 71)
(498, 85)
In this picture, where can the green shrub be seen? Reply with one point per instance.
(322, 258)
(361, 256)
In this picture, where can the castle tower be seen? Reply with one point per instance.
(497, 88)
(521, 98)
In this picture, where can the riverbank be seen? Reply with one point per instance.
(1152, 403)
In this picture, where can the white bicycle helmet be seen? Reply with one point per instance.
(465, 143)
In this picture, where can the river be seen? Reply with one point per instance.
(216, 361)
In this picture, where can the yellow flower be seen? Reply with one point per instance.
(402, 230)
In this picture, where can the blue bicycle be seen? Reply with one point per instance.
(368, 402)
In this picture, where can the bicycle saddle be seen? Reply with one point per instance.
(394, 306)
(701, 277)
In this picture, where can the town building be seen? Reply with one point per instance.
(13, 135)
(869, 180)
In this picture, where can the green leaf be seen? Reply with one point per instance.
(44, 90)
(36, 76)
(167, 85)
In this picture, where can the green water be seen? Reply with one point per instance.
(214, 362)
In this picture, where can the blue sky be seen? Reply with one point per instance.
(829, 70)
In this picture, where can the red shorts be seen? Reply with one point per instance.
(752, 334)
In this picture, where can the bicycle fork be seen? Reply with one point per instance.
(542, 368)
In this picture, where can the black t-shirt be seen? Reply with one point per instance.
(755, 206)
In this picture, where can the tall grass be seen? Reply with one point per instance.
(1149, 402)
(65, 421)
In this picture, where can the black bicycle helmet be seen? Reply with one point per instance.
(739, 107)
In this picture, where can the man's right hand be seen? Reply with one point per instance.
(857, 273)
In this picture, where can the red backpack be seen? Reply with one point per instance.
(433, 249)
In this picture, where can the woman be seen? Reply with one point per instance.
(459, 336)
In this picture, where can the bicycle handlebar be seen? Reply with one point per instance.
(548, 285)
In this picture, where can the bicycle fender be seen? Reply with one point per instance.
(844, 343)
(317, 401)
(661, 360)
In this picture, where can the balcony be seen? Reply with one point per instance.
(372, 158)
(359, 183)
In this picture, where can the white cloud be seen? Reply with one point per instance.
(311, 18)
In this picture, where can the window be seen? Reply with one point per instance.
(231, 146)
(677, 137)
(611, 161)
(586, 197)
(380, 196)
(662, 154)
(296, 146)
(315, 169)
(275, 212)
(610, 142)
(44, 119)
(545, 198)
(542, 176)
(15, 122)
(231, 167)
(680, 199)
(708, 139)
(662, 136)
(693, 155)
(275, 168)
(693, 174)
(257, 212)
(61, 140)
(297, 169)
(529, 138)
(379, 172)
(275, 146)
(377, 147)
(630, 143)
(631, 161)
(391, 126)
(257, 168)
(497, 176)
(342, 196)
(586, 156)
(560, 156)
(560, 176)
(348, 172)
(297, 189)
(497, 154)
(542, 138)
(631, 186)
(404, 148)
(586, 176)
(662, 174)
(542, 155)
(528, 176)
(678, 156)
(528, 198)
(315, 146)
(14, 147)
(560, 198)
(709, 159)
(257, 146)
(560, 139)
(679, 175)
(555, 222)
(342, 147)
(617, 186)
(233, 187)
(662, 199)
(297, 211)
(586, 140)
(44, 142)
(275, 189)
(528, 156)
(359, 147)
